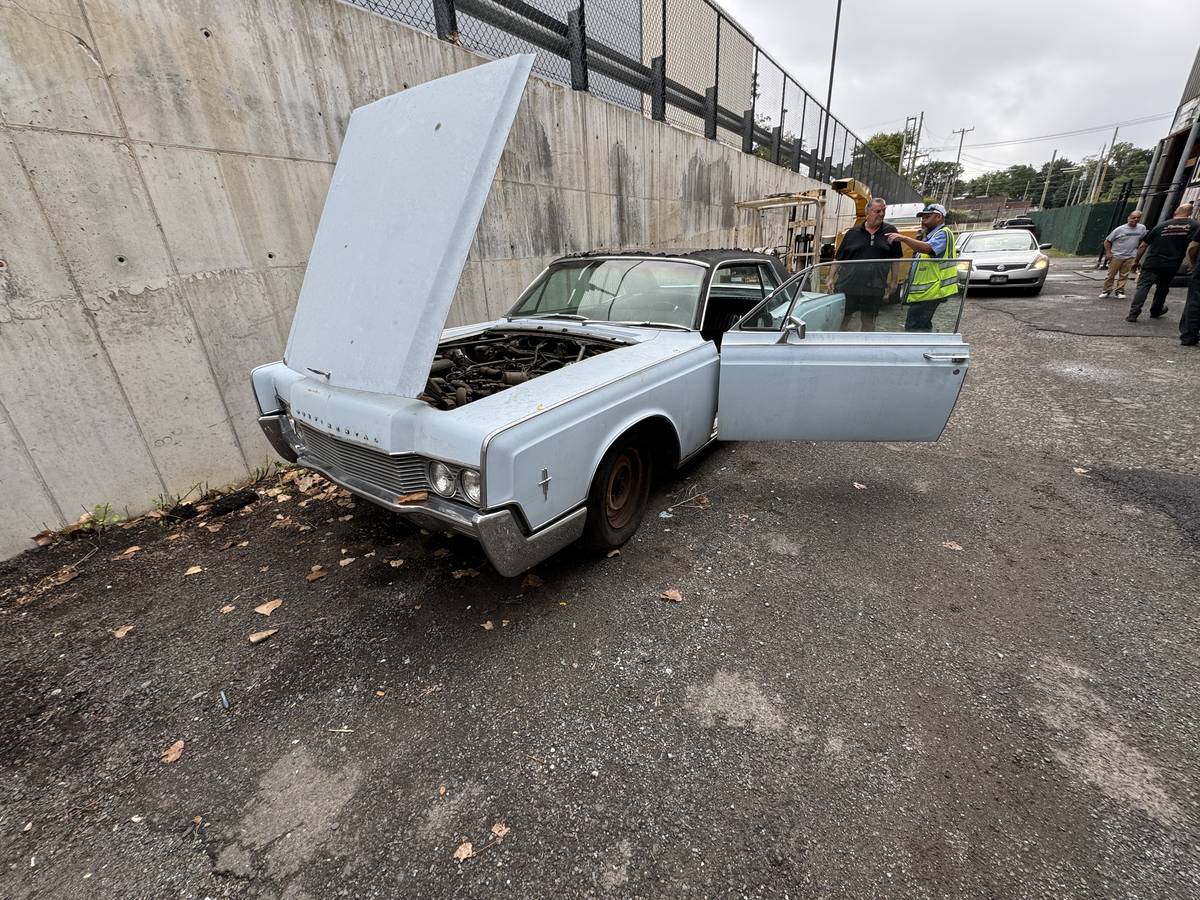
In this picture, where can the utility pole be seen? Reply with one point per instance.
(916, 144)
(904, 144)
(1094, 180)
(1104, 164)
(1049, 172)
(1071, 189)
(962, 133)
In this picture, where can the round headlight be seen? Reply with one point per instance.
(470, 485)
(441, 479)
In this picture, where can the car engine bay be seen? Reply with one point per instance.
(467, 370)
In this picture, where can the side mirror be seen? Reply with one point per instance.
(1045, 246)
(792, 326)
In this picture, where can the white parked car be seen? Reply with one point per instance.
(546, 426)
(1005, 258)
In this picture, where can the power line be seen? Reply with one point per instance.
(1047, 137)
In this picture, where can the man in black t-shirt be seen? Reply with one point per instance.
(1189, 322)
(1159, 255)
(865, 285)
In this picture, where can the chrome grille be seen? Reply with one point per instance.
(393, 474)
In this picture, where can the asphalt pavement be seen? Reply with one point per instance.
(957, 669)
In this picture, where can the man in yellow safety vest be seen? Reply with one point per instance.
(934, 281)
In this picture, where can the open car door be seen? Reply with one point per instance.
(787, 374)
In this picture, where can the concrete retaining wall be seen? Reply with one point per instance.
(165, 163)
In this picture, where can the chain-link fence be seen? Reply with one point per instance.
(680, 61)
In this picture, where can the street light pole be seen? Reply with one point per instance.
(837, 24)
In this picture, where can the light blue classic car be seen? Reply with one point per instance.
(546, 426)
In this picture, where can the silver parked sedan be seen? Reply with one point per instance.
(1007, 258)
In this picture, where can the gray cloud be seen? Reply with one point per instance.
(1011, 68)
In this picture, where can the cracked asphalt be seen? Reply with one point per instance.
(976, 675)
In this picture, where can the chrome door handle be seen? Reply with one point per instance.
(955, 358)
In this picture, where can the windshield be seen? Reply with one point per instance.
(616, 290)
(986, 243)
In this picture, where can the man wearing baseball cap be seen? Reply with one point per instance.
(934, 281)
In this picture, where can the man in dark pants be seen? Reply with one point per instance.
(1159, 255)
(1189, 324)
(866, 285)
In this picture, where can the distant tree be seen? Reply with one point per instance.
(887, 144)
(1125, 163)
(932, 177)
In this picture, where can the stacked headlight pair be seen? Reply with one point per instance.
(447, 480)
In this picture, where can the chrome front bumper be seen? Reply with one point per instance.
(509, 548)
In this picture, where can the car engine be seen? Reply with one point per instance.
(466, 370)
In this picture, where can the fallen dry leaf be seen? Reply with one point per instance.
(62, 577)
(283, 498)
(215, 527)
(126, 553)
(465, 573)
(173, 752)
(441, 792)
(175, 536)
(44, 538)
(193, 570)
(380, 694)
(671, 595)
(532, 581)
(244, 544)
(952, 545)
(227, 608)
(612, 553)
(263, 568)
(316, 574)
(858, 486)
(488, 625)
(500, 830)
(346, 518)
(227, 545)
(269, 607)
(259, 636)
(346, 561)
(440, 552)
(1078, 471)
(414, 497)
(119, 633)
(395, 563)
(504, 623)
(464, 851)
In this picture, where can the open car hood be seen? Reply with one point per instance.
(414, 171)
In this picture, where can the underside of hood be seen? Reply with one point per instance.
(413, 174)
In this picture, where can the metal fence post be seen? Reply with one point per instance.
(748, 131)
(658, 88)
(445, 20)
(776, 143)
(710, 95)
(577, 47)
(798, 146)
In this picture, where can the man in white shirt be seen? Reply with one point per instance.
(1120, 248)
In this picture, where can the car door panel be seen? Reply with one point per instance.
(839, 386)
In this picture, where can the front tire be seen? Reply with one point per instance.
(617, 499)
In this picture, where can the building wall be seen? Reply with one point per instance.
(165, 164)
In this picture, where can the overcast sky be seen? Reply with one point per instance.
(1016, 68)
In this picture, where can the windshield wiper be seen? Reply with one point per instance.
(639, 324)
(551, 316)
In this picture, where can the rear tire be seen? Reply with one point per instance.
(617, 499)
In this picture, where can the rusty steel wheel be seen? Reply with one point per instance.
(623, 488)
(619, 493)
